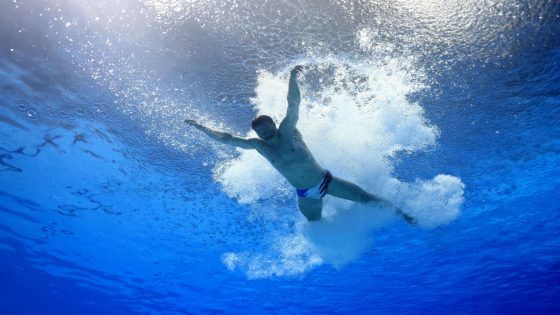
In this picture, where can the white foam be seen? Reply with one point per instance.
(292, 256)
(433, 202)
(353, 121)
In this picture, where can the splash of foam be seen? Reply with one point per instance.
(361, 110)
(292, 256)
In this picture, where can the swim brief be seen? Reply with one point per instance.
(318, 191)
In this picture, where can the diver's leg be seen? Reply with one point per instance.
(311, 208)
(346, 190)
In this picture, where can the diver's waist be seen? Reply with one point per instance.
(315, 183)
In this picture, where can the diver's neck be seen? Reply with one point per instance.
(274, 140)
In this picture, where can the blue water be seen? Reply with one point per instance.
(109, 204)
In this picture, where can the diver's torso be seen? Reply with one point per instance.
(291, 157)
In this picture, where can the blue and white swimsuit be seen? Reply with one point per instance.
(318, 191)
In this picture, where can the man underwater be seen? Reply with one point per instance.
(285, 149)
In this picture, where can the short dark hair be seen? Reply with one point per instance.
(260, 120)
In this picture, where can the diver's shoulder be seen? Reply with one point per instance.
(257, 143)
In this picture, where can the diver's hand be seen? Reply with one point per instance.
(296, 70)
(410, 219)
(191, 122)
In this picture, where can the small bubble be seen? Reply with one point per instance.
(22, 105)
(74, 88)
(80, 112)
(32, 114)
(62, 114)
(99, 108)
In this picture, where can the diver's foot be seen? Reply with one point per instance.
(410, 219)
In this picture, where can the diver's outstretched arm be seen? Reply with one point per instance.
(224, 137)
(294, 98)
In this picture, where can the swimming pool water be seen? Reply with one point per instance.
(109, 204)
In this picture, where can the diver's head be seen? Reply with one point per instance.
(264, 127)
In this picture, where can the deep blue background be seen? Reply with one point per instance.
(97, 217)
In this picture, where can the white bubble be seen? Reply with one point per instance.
(31, 113)
(354, 116)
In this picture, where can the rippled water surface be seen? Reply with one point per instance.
(110, 204)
